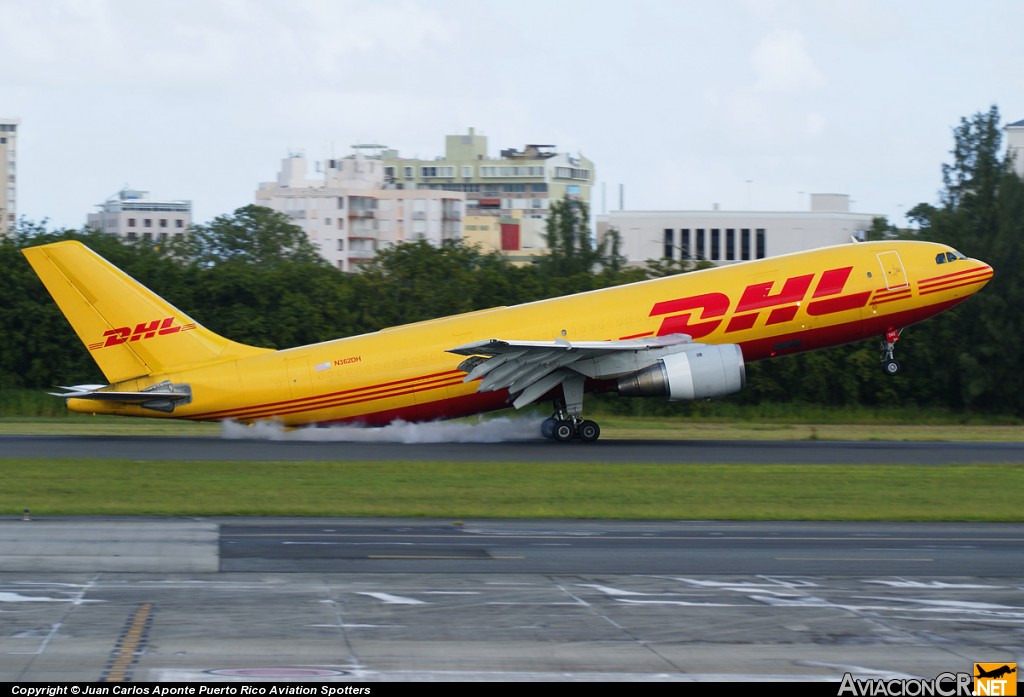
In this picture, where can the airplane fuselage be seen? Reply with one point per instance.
(770, 307)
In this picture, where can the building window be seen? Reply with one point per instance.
(700, 243)
(716, 238)
(408, 172)
(147, 236)
(131, 222)
(179, 224)
(730, 244)
(511, 171)
(341, 202)
(148, 222)
(327, 221)
(669, 243)
(745, 244)
(163, 222)
(436, 172)
(684, 243)
(467, 171)
(178, 236)
(572, 173)
(760, 243)
(132, 236)
(341, 244)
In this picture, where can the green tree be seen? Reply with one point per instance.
(251, 235)
(981, 213)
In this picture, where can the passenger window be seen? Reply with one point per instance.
(940, 258)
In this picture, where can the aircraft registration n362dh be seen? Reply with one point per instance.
(683, 337)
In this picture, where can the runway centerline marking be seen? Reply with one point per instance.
(854, 559)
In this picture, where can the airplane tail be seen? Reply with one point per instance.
(130, 331)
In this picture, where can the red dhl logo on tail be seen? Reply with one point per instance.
(703, 314)
(141, 331)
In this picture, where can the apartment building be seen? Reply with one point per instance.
(348, 212)
(507, 197)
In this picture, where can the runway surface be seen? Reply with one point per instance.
(434, 600)
(426, 600)
(660, 451)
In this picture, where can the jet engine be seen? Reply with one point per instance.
(699, 372)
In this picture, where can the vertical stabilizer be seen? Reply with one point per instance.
(129, 330)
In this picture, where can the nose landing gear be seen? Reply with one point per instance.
(890, 366)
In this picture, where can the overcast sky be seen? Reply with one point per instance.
(747, 104)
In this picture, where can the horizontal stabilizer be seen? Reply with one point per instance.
(161, 397)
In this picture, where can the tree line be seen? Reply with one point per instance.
(254, 277)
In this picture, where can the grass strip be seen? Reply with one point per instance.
(969, 492)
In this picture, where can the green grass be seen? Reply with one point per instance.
(514, 490)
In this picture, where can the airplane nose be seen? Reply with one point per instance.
(985, 272)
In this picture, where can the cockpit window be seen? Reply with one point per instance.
(950, 256)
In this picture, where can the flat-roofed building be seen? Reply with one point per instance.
(133, 216)
(727, 237)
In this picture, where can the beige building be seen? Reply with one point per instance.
(507, 197)
(132, 215)
(349, 213)
(726, 237)
(9, 165)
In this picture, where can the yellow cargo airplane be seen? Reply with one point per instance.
(683, 337)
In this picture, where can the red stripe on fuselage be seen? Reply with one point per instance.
(835, 335)
(946, 276)
(229, 413)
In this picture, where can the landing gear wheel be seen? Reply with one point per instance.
(564, 431)
(891, 367)
(588, 431)
(547, 428)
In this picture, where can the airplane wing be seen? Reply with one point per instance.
(529, 369)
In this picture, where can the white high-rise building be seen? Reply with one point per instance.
(9, 164)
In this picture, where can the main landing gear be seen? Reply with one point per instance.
(567, 423)
(564, 429)
(890, 366)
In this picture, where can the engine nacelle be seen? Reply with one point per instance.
(699, 372)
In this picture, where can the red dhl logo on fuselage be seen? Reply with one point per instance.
(141, 331)
(826, 299)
